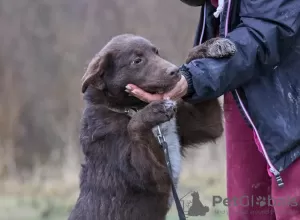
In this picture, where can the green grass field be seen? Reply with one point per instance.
(39, 208)
(57, 205)
(53, 200)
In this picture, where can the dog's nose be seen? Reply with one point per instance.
(173, 71)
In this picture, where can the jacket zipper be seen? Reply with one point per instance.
(273, 170)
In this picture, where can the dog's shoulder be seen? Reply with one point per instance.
(98, 121)
(96, 115)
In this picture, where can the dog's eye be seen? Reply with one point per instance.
(137, 61)
(156, 51)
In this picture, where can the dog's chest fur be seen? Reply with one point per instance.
(169, 131)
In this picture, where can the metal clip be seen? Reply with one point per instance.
(130, 112)
(279, 180)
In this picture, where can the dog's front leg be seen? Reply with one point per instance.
(146, 155)
(202, 122)
(199, 123)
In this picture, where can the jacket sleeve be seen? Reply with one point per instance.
(267, 32)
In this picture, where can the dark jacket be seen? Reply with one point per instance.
(263, 75)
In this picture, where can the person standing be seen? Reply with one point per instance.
(261, 88)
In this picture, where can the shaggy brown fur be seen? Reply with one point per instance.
(124, 176)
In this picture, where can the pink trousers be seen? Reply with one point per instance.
(248, 179)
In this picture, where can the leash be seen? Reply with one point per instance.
(164, 146)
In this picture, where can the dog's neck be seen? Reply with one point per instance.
(129, 111)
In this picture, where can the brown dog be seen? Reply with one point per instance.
(125, 176)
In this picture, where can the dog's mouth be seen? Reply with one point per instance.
(159, 89)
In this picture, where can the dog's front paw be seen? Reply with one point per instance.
(159, 112)
(169, 108)
(163, 110)
(152, 115)
(220, 47)
(213, 48)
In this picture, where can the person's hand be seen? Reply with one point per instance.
(179, 90)
(176, 93)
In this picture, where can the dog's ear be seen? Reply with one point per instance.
(95, 70)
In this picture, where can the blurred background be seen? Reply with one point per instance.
(44, 49)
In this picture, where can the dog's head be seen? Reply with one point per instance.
(129, 59)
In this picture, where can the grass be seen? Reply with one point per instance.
(54, 204)
(33, 208)
(53, 200)
(47, 208)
